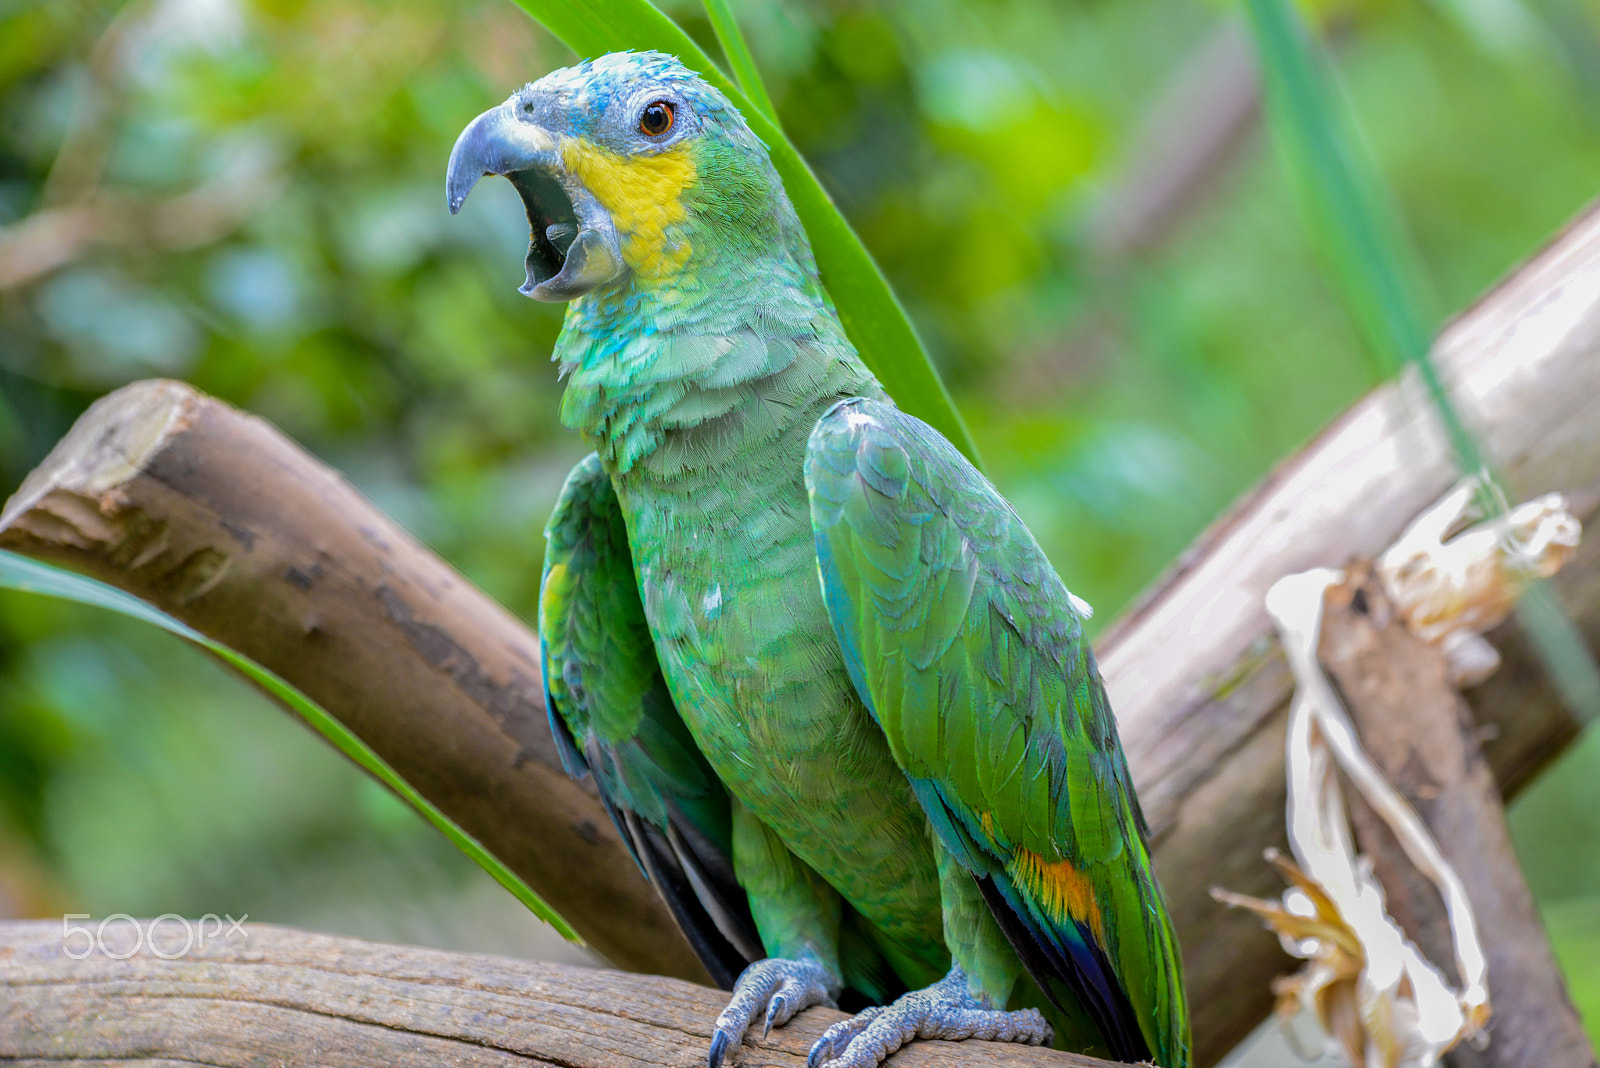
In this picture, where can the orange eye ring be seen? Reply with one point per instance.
(657, 118)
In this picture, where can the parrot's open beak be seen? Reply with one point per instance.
(572, 244)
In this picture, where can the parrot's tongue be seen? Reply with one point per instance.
(552, 224)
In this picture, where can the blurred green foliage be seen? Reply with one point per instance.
(248, 194)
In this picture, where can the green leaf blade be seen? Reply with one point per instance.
(31, 576)
(734, 48)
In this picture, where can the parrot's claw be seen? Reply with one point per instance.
(945, 1010)
(771, 990)
(774, 1013)
(836, 1038)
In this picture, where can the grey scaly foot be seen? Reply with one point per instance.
(947, 1009)
(774, 989)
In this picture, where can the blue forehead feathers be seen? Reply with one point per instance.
(585, 90)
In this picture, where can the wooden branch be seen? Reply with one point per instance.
(1418, 731)
(215, 517)
(1195, 673)
(281, 996)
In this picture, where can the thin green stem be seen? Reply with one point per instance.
(1561, 647)
(1373, 265)
(1369, 258)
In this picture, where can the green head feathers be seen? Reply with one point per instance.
(657, 214)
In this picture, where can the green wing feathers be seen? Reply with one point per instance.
(970, 653)
(612, 717)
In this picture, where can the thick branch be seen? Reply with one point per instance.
(1195, 673)
(218, 519)
(1418, 731)
(313, 999)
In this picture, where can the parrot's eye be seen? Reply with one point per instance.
(656, 118)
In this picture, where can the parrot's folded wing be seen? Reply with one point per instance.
(970, 654)
(612, 716)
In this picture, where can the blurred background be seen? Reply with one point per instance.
(1078, 204)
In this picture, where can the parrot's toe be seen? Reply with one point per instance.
(836, 1038)
(944, 1010)
(772, 990)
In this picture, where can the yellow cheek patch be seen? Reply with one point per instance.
(1060, 889)
(644, 197)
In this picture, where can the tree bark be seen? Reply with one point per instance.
(213, 516)
(275, 995)
(1195, 673)
(218, 519)
(1420, 734)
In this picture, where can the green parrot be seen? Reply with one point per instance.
(835, 698)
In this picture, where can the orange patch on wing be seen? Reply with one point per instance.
(1060, 889)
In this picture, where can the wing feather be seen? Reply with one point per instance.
(613, 717)
(970, 654)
